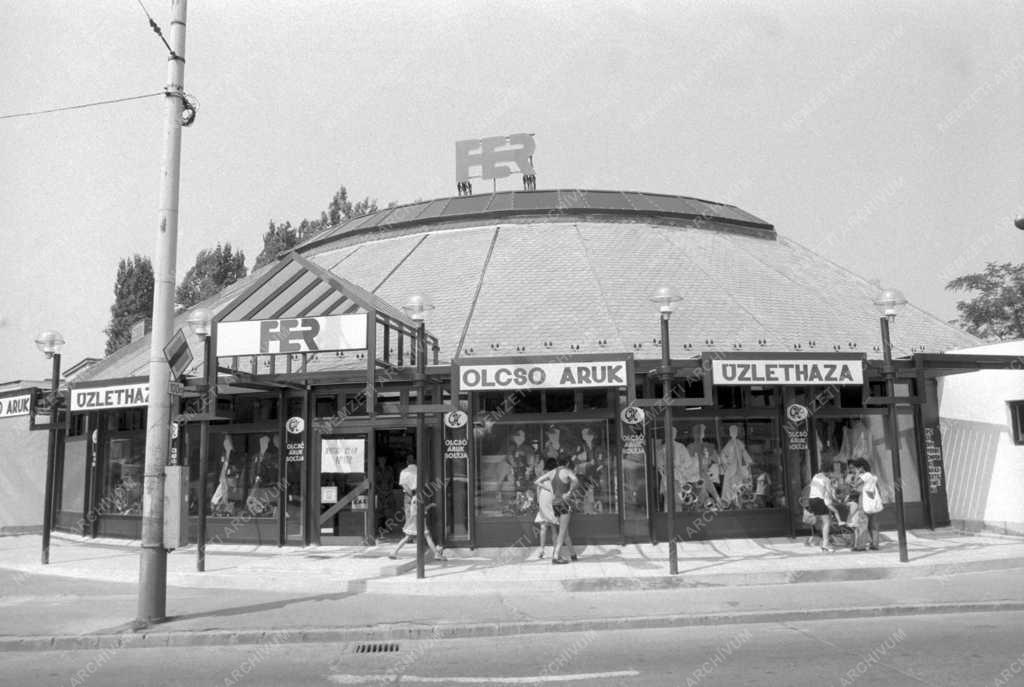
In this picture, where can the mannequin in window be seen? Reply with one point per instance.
(736, 467)
(685, 467)
(220, 502)
(553, 443)
(707, 457)
(520, 459)
(589, 466)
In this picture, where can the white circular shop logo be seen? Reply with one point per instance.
(295, 425)
(796, 412)
(456, 419)
(632, 415)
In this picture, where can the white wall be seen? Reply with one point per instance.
(984, 469)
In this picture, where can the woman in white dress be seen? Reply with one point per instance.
(545, 505)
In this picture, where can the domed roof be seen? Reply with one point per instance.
(566, 271)
(572, 271)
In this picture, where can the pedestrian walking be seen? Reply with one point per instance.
(407, 480)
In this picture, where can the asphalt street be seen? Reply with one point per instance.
(955, 649)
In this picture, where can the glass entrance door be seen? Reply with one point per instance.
(344, 487)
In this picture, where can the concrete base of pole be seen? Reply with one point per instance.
(152, 585)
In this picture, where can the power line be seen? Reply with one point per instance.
(156, 29)
(78, 107)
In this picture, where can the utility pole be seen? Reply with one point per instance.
(153, 559)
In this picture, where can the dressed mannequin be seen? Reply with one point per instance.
(220, 502)
(736, 463)
(707, 457)
(520, 461)
(589, 465)
(685, 465)
(553, 443)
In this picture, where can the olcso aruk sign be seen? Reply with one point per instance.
(542, 375)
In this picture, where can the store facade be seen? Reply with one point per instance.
(543, 346)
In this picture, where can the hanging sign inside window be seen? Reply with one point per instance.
(292, 335)
(104, 397)
(343, 455)
(543, 375)
(758, 372)
(12, 406)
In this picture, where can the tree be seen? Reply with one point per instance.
(214, 269)
(133, 300)
(282, 237)
(277, 239)
(997, 312)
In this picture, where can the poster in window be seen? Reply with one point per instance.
(343, 455)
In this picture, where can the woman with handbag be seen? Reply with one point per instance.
(870, 500)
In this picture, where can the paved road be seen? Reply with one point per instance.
(963, 649)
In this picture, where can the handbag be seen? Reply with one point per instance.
(871, 501)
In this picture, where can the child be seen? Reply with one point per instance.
(857, 519)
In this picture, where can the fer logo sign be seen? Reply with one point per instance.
(292, 335)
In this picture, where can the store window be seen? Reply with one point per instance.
(512, 455)
(121, 490)
(242, 474)
(723, 464)
(1017, 421)
(864, 437)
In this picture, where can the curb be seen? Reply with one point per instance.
(397, 632)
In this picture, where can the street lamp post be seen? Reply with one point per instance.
(199, 322)
(666, 297)
(417, 307)
(50, 343)
(889, 302)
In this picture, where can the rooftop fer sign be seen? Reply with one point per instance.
(757, 372)
(542, 375)
(292, 335)
(494, 156)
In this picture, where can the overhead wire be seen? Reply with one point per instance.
(83, 105)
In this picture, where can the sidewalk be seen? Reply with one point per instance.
(87, 595)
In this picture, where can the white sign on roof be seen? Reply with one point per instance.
(292, 335)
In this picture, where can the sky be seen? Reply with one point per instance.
(887, 137)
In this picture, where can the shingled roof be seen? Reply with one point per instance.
(533, 273)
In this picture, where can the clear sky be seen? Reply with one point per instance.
(889, 137)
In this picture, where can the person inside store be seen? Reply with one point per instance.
(407, 480)
(821, 503)
(564, 484)
(546, 518)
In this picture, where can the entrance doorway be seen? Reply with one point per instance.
(345, 464)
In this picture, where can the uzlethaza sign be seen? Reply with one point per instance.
(542, 375)
(756, 372)
(12, 406)
(292, 335)
(104, 397)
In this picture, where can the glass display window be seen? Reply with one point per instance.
(121, 491)
(843, 441)
(242, 474)
(510, 456)
(722, 464)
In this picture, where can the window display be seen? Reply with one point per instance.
(840, 440)
(512, 456)
(122, 476)
(724, 464)
(242, 475)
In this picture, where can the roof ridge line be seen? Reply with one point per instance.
(476, 294)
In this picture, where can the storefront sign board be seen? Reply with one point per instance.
(543, 375)
(933, 453)
(292, 335)
(107, 397)
(12, 406)
(786, 372)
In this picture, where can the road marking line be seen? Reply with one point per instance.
(350, 679)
